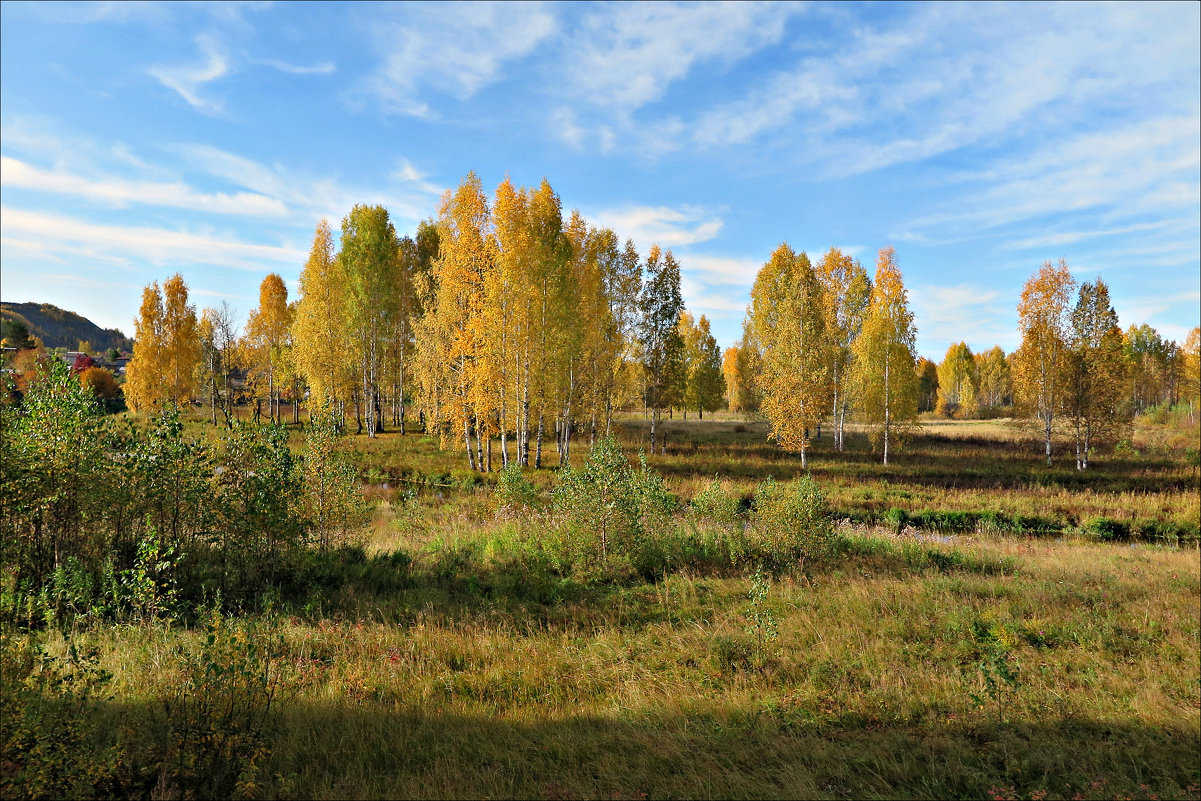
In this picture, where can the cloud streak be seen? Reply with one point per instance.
(121, 192)
(159, 246)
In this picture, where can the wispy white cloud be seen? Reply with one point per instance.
(121, 192)
(155, 245)
(938, 77)
(314, 197)
(625, 56)
(1124, 168)
(409, 174)
(1072, 237)
(660, 225)
(188, 80)
(964, 312)
(324, 68)
(456, 49)
(723, 270)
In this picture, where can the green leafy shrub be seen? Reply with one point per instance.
(606, 510)
(514, 492)
(791, 524)
(216, 721)
(331, 501)
(1107, 529)
(51, 743)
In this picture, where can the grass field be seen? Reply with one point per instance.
(947, 659)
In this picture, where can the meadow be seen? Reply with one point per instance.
(964, 628)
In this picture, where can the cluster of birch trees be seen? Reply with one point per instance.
(823, 340)
(499, 321)
(502, 322)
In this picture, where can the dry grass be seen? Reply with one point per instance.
(647, 690)
(446, 673)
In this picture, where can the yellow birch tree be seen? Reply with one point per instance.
(788, 314)
(885, 362)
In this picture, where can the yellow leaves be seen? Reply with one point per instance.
(885, 363)
(167, 348)
(957, 382)
(320, 324)
(1039, 373)
(789, 322)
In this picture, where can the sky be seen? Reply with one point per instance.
(979, 140)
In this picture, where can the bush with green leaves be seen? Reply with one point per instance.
(217, 719)
(514, 492)
(54, 476)
(609, 512)
(258, 520)
(791, 524)
(52, 747)
(719, 524)
(332, 501)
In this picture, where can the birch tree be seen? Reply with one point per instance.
(1095, 399)
(788, 314)
(847, 289)
(1041, 362)
(662, 346)
(885, 361)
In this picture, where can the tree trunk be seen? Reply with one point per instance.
(538, 446)
(467, 442)
(1047, 420)
(479, 445)
(887, 408)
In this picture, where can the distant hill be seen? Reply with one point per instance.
(59, 328)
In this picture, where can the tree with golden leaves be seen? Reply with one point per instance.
(1096, 388)
(267, 344)
(554, 331)
(705, 386)
(182, 349)
(885, 363)
(788, 315)
(455, 367)
(167, 348)
(1040, 368)
(1191, 354)
(321, 327)
(927, 384)
(144, 388)
(993, 376)
(847, 290)
(957, 383)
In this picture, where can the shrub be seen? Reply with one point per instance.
(791, 523)
(217, 718)
(608, 509)
(47, 716)
(514, 492)
(715, 505)
(1107, 529)
(332, 502)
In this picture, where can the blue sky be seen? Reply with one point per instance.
(978, 140)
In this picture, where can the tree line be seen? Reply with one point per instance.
(499, 321)
(502, 323)
(819, 340)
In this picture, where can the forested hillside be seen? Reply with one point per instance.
(59, 328)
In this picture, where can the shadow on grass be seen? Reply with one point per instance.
(754, 752)
(525, 589)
